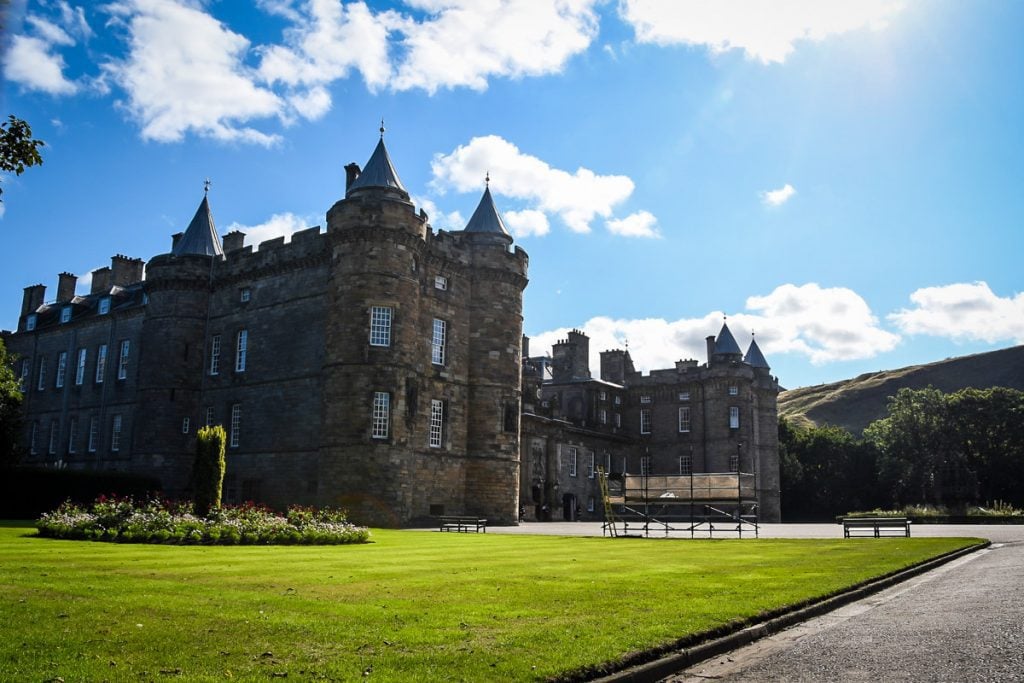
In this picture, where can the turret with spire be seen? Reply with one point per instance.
(379, 175)
(201, 235)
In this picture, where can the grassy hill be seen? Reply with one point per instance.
(855, 403)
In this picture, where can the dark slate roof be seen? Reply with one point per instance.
(486, 217)
(726, 343)
(379, 172)
(201, 235)
(754, 357)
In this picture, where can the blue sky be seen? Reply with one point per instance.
(842, 178)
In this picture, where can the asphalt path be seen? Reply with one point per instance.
(963, 621)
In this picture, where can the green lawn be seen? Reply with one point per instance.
(411, 606)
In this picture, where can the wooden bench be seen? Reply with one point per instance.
(463, 523)
(875, 526)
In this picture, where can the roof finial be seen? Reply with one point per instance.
(382, 128)
(487, 179)
(206, 187)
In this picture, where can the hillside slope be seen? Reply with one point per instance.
(855, 403)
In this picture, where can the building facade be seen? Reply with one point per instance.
(373, 366)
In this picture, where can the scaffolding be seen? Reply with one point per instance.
(643, 504)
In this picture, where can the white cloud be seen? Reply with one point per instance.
(777, 197)
(639, 224)
(526, 223)
(577, 198)
(963, 312)
(465, 42)
(823, 324)
(440, 220)
(278, 225)
(48, 31)
(185, 72)
(766, 30)
(30, 63)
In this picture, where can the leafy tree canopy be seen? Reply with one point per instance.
(18, 149)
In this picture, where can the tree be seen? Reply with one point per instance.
(10, 410)
(989, 427)
(18, 150)
(208, 470)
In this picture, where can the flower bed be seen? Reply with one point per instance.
(123, 520)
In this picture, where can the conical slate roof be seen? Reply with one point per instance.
(486, 217)
(726, 343)
(379, 172)
(201, 235)
(754, 357)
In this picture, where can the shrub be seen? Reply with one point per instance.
(208, 469)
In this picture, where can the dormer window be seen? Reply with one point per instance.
(441, 282)
(65, 314)
(30, 322)
(245, 294)
(104, 307)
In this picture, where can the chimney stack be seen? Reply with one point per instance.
(126, 271)
(351, 173)
(710, 341)
(175, 238)
(66, 286)
(33, 299)
(234, 240)
(100, 280)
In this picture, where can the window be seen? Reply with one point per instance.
(437, 342)
(645, 466)
(94, 432)
(381, 417)
(734, 391)
(42, 373)
(684, 395)
(686, 465)
(185, 425)
(32, 438)
(645, 398)
(215, 354)
(645, 421)
(26, 368)
(245, 294)
(54, 428)
(441, 282)
(30, 322)
(618, 420)
(436, 423)
(101, 363)
(104, 306)
(72, 435)
(209, 416)
(380, 326)
(618, 400)
(734, 462)
(684, 418)
(65, 314)
(122, 361)
(590, 465)
(62, 368)
(241, 348)
(602, 395)
(590, 504)
(734, 417)
(236, 425)
(115, 433)
(80, 368)
(602, 416)
(572, 461)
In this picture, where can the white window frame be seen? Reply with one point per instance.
(602, 416)
(618, 401)
(30, 322)
(684, 395)
(441, 282)
(72, 428)
(645, 466)
(602, 395)
(80, 367)
(435, 440)
(734, 417)
(684, 419)
(645, 398)
(26, 370)
(215, 355)
(62, 369)
(241, 350)
(94, 432)
(236, 425)
(65, 314)
(122, 359)
(380, 325)
(734, 462)
(686, 465)
(104, 306)
(101, 362)
(590, 465)
(116, 423)
(618, 420)
(645, 421)
(380, 417)
(245, 295)
(572, 461)
(209, 416)
(734, 390)
(438, 341)
(186, 425)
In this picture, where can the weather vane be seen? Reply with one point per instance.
(487, 179)
(382, 128)
(206, 187)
